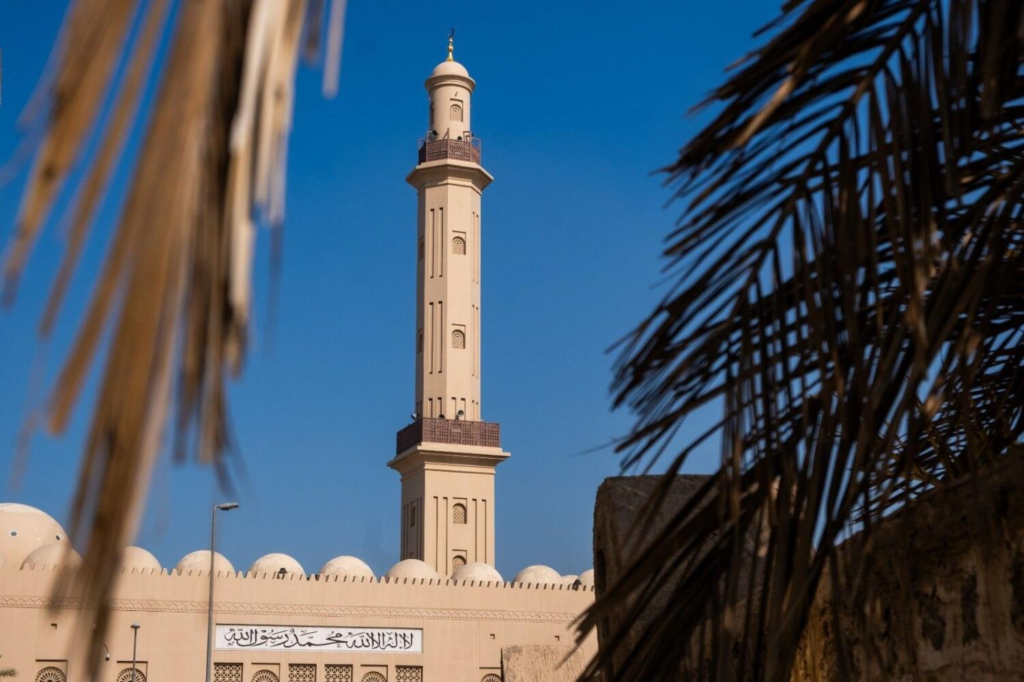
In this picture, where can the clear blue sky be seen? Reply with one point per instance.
(577, 103)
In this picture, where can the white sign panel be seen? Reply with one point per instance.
(293, 638)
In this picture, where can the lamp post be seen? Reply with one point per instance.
(228, 506)
(135, 644)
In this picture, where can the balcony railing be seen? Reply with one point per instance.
(460, 150)
(448, 432)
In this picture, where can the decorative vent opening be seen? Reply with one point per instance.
(458, 562)
(459, 514)
(409, 673)
(302, 672)
(227, 672)
(459, 246)
(374, 676)
(456, 113)
(265, 676)
(126, 675)
(51, 674)
(458, 339)
(490, 678)
(337, 673)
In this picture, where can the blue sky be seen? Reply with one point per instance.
(576, 103)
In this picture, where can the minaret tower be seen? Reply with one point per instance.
(447, 455)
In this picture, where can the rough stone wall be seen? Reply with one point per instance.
(620, 502)
(947, 582)
(947, 590)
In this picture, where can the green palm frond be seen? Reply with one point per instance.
(851, 292)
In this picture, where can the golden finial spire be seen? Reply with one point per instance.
(451, 45)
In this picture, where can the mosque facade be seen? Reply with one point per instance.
(442, 613)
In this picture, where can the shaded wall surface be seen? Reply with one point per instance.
(618, 537)
(464, 625)
(945, 595)
(946, 599)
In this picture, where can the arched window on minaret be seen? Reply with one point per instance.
(458, 339)
(458, 562)
(459, 514)
(456, 112)
(459, 246)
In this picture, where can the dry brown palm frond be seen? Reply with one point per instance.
(851, 291)
(174, 292)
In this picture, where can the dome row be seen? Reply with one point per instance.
(409, 568)
(30, 537)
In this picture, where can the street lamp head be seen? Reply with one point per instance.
(227, 506)
(135, 626)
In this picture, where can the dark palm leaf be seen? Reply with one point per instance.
(851, 291)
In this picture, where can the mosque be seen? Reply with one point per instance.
(441, 614)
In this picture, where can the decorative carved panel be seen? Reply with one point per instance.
(338, 673)
(227, 672)
(51, 674)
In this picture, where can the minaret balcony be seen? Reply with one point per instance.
(448, 432)
(447, 148)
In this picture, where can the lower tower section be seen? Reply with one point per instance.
(447, 469)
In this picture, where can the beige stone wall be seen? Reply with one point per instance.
(465, 625)
(542, 663)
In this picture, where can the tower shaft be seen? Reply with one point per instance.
(448, 290)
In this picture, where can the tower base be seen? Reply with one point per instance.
(448, 503)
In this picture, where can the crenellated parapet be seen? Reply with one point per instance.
(297, 578)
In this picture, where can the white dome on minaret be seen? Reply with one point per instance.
(450, 69)
(450, 87)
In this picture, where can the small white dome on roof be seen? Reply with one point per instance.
(199, 560)
(587, 578)
(538, 575)
(569, 579)
(57, 554)
(136, 557)
(24, 529)
(276, 563)
(347, 565)
(411, 568)
(478, 571)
